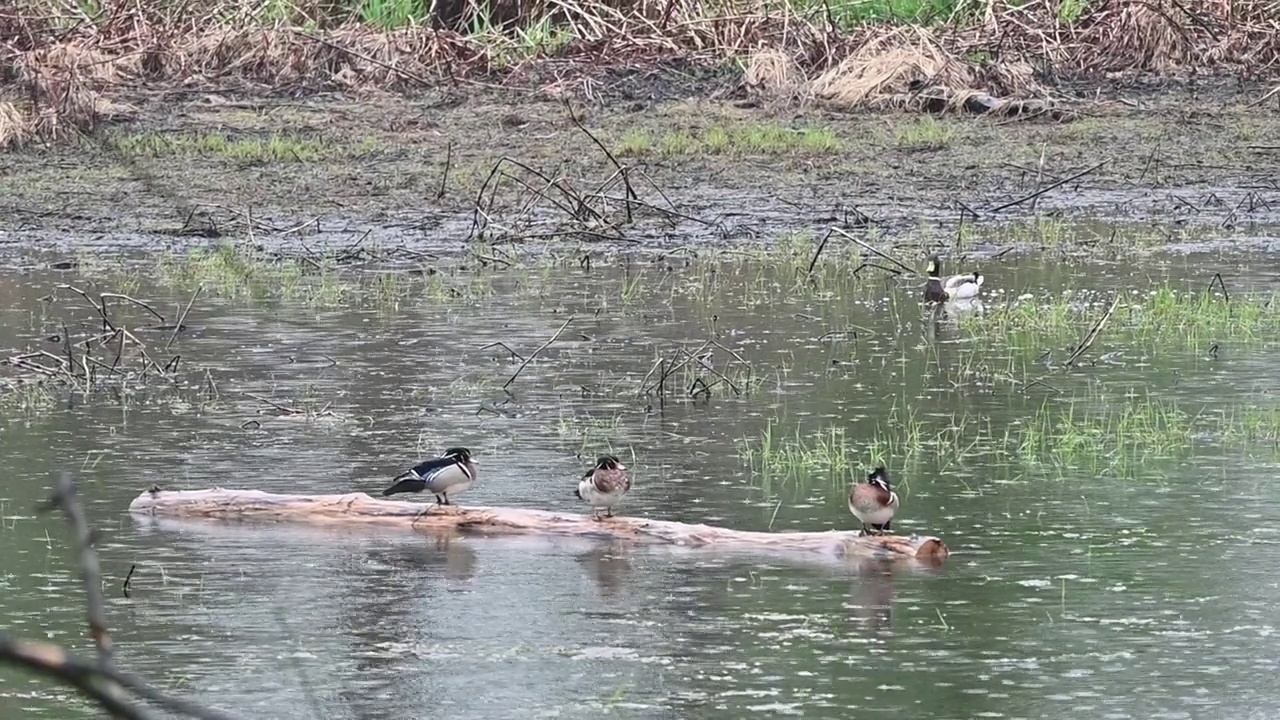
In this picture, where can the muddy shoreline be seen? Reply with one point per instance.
(1190, 162)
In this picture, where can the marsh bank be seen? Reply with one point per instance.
(327, 168)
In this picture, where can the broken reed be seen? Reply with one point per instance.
(1116, 437)
(107, 343)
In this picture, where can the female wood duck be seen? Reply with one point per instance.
(873, 502)
(956, 287)
(604, 485)
(453, 472)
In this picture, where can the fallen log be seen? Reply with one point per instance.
(361, 509)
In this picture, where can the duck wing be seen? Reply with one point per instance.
(430, 475)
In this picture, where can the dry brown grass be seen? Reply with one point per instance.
(57, 66)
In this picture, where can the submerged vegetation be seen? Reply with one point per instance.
(355, 277)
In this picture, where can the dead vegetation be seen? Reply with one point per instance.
(108, 343)
(65, 71)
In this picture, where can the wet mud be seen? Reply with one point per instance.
(190, 168)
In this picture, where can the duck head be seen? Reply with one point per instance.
(609, 462)
(879, 477)
(459, 454)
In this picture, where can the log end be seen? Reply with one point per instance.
(931, 550)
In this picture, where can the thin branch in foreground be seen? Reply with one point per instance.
(64, 496)
(54, 662)
(100, 681)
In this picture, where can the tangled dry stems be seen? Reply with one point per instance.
(60, 67)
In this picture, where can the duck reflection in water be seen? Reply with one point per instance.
(441, 552)
(608, 566)
(871, 595)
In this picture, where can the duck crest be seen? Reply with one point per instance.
(880, 478)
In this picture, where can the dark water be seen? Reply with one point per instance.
(1145, 589)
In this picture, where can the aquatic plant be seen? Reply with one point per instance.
(1163, 316)
(1096, 434)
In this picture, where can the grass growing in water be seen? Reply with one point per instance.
(244, 273)
(1163, 316)
(1093, 435)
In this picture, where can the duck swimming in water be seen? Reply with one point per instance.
(957, 287)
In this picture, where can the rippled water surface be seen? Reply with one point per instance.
(1128, 578)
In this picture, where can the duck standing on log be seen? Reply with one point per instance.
(604, 485)
(873, 502)
(453, 472)
(957, 287)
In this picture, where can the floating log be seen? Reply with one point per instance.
(361, 509)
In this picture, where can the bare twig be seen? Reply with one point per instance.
(135, 301)
(1047, 188)
(101, 309)
(626, 181)
(278, 406)
(504, 346)
(1092, 335)
(181, 318)
(542, 347)
(52, 661)
(100, 681)
(448, 163)
(870, 249)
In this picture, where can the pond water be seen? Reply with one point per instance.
(1113, 527)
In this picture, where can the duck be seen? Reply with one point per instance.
(956, 287)
(453, 472)
(604, 485)
(874, 503)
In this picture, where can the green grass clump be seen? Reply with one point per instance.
(735, 140)
(1111, 440)
(273, 148)
(923, 133)
(1118, 437)
(1163, 316)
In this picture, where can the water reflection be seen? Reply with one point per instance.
(609, 566)
(871, 596)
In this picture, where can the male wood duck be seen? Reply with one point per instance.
(453, 472)
(873, 502)
(604, 485)
(957, 287)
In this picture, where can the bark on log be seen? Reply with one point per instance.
(361, 509)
